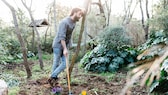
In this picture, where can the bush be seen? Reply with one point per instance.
(112, 38)
(5, 55)
(101, 59)
(152, 65)
(47, 45)
(112, 52)
(10, 79)
(161, 85)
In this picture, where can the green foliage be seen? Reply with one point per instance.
(114, 37)
(11, 51)
(111, 53)
(10, 79)
(160, 19)
(47, 44)
(5, 55)
(160, 86)
(155, 38)
(10, 48)
(13, 90)
(13, 47)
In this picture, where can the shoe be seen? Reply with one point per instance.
(53, 81)
(56, 78)
(50, 81)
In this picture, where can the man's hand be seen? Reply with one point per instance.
(65, 52)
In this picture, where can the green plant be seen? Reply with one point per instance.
(110, 54)
(160, 19)
(160, 86)
(112, 38)
(152, 64)
(5, 56)
(10, 79)
(102, 60)
(13, 90)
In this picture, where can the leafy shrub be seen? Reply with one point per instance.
(10, 50)
(152, 64)
(160, 86)
(112, 52)
(47, 45)
(5, 56)
(14, 49)
(13, 46)
(155, 38)
(10, 79)
(101, 59)
(113, 37)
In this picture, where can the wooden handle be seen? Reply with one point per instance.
(67, 69)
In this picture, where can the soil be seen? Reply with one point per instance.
(93, 84)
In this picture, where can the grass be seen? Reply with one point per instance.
(14, 90)
(109, 76)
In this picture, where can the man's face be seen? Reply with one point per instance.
(78, 15)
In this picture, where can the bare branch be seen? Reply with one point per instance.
(38, 35)
(21, 40)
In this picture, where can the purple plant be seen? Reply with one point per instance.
(56, 89)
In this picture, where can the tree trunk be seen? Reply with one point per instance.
(45, 40)
(165, 3)
(128, 12)
(86, 4)
(33, 41)
(108, 10)
(102, 13)
(55, 25)
(24, 50)
(38, 35)
(145, 27)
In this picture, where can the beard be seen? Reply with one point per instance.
(76, 18)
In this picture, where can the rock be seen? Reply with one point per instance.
(3, 87)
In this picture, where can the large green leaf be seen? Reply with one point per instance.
(123, 54)
(113, 67)
(165, 65)
(160, 87)
(118, 60)
(112, 53)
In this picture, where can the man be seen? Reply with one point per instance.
(61, 43)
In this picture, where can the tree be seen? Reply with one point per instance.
(18, 33)
(101, 9)
(165, 3)
(38, 35)
(145, 26)
(108, 7)
(160, 16)
(86, 4)
(127, 11)
(55, 25)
